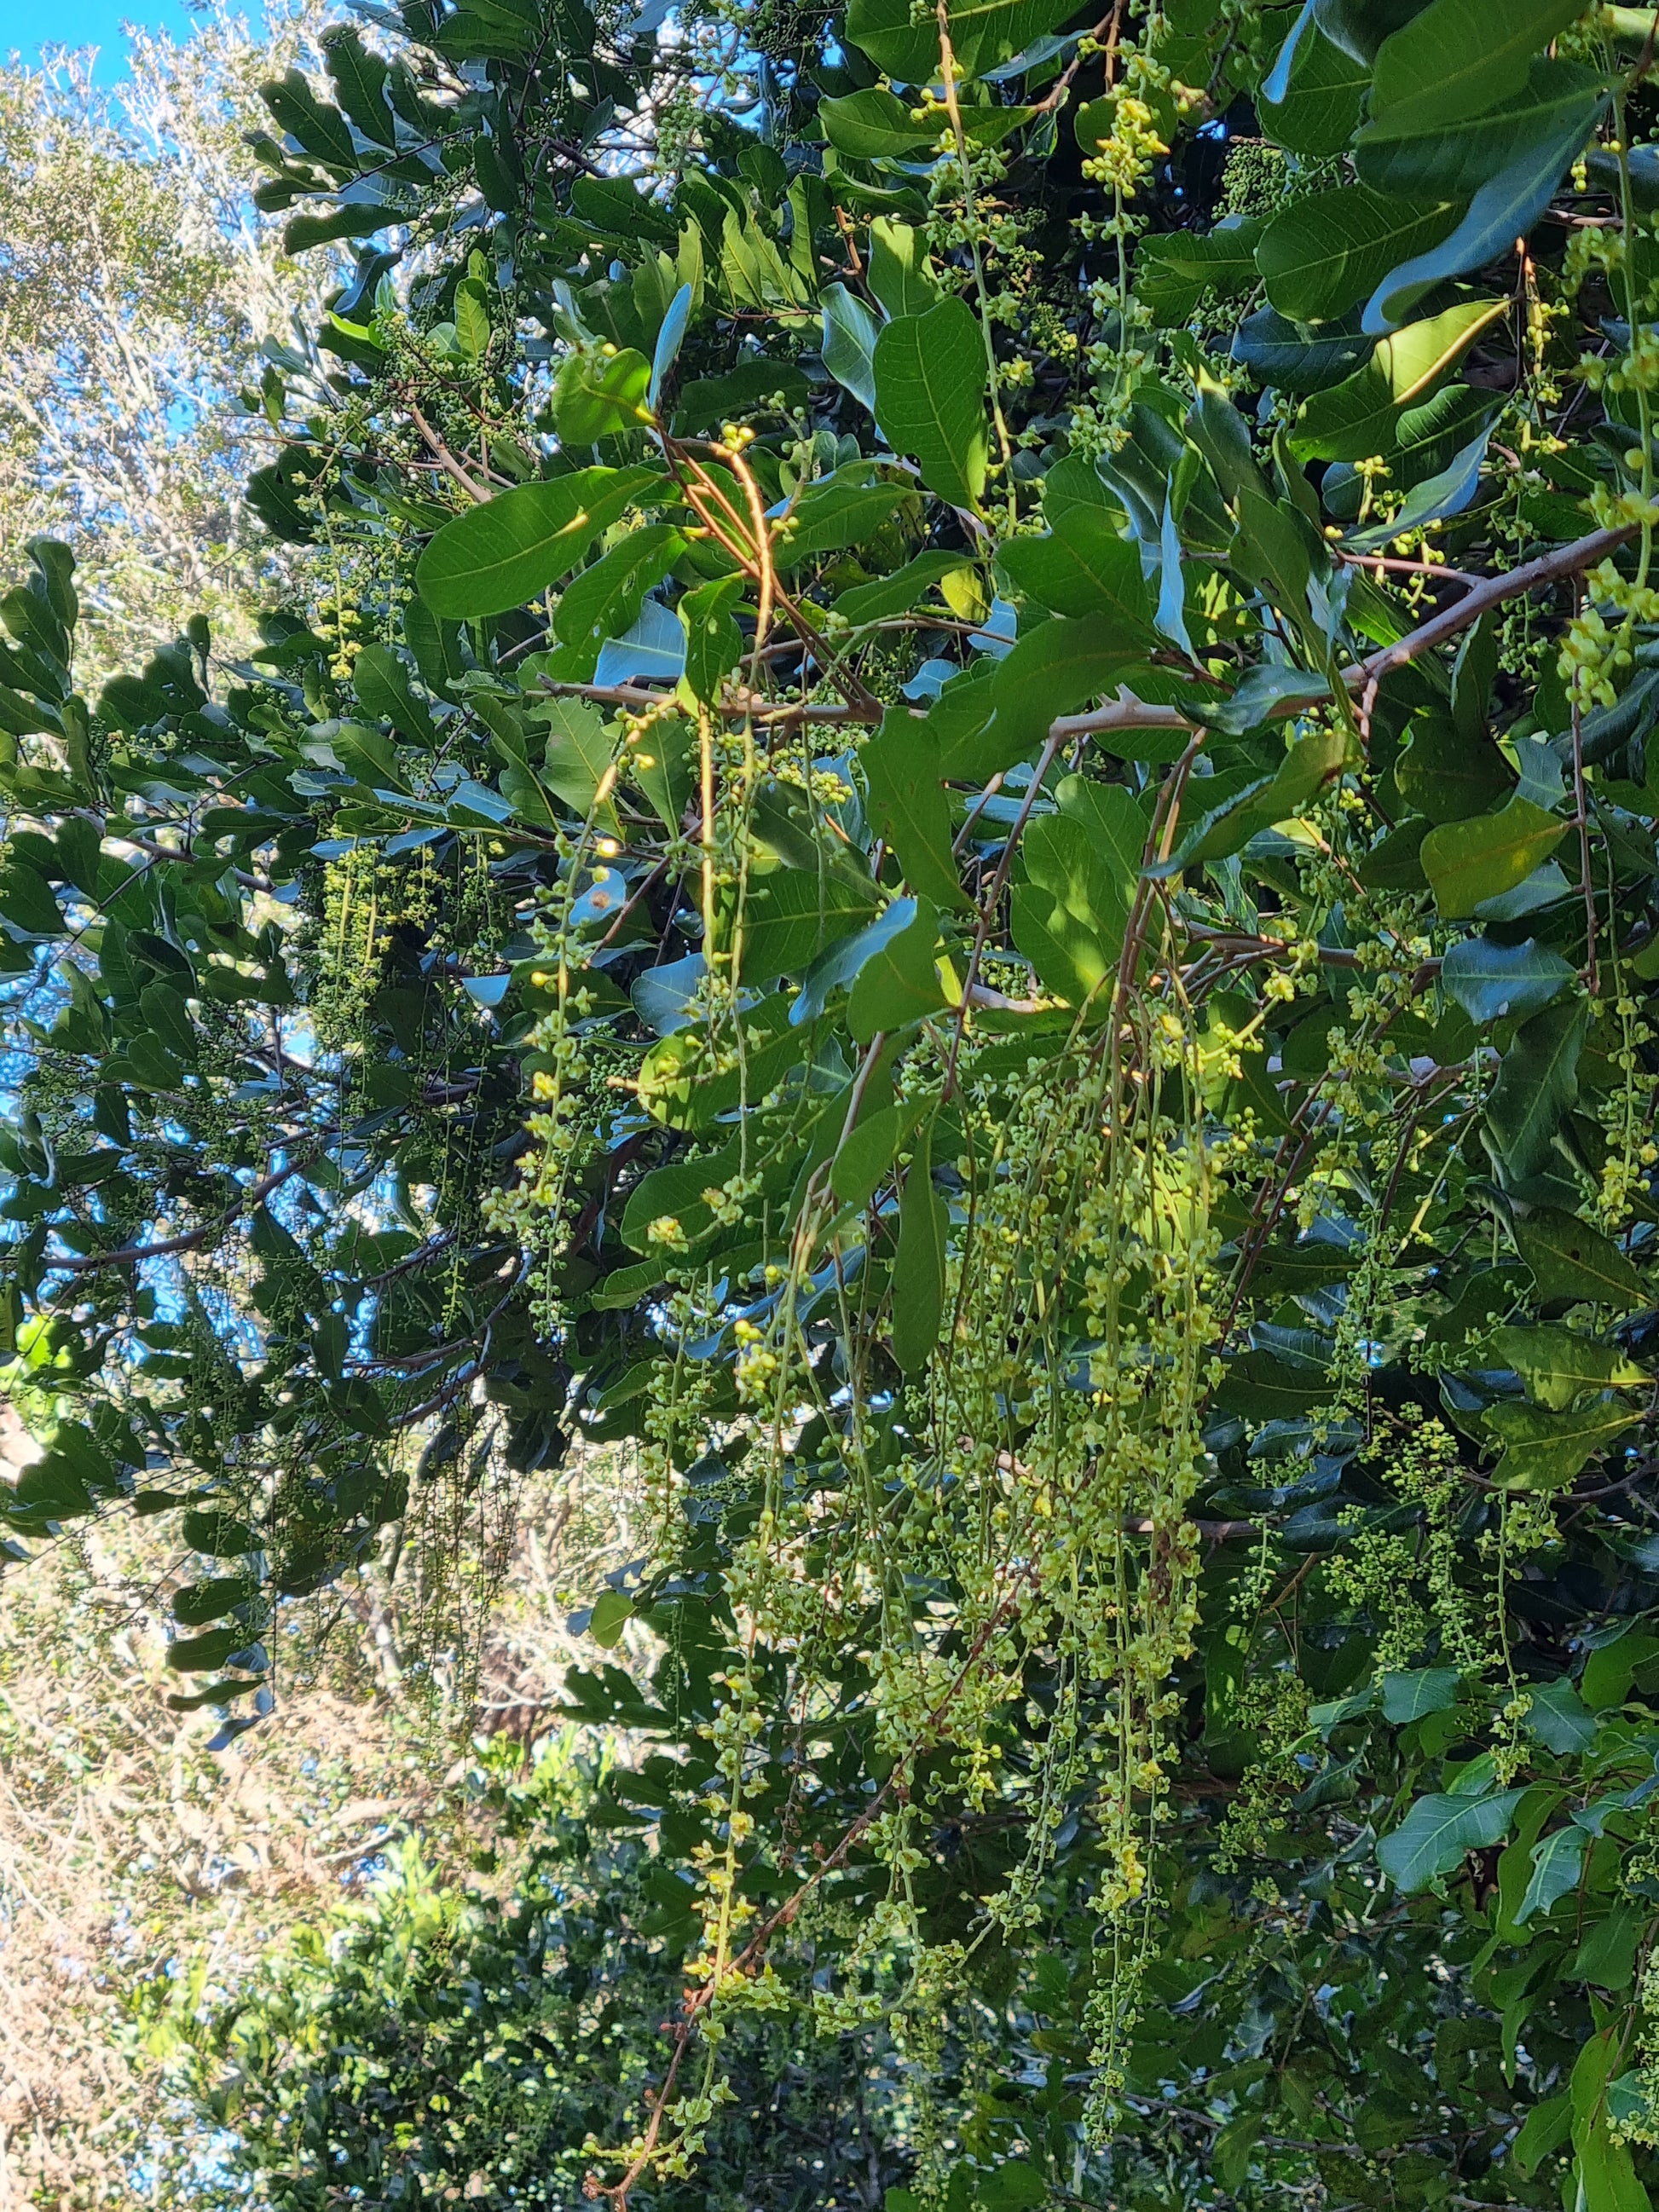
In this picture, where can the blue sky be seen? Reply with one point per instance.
(25, 23)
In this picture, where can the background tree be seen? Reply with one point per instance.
(139, 282)
(960, 840)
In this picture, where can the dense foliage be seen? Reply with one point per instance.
(959, 839)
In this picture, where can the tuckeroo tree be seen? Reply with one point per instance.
(960, 840)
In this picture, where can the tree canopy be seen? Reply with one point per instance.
(958, 840)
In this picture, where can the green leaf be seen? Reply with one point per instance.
(838, 511)
(611, 1613)
(1070, 913)
(1409, 1697)
(219, 1535)
(714, 643)
(1558, 1861)
(919, 1265)
(201, 1655)
(604, 601)
(1319, 98)
(1558, 1717)
(211, 1600)
(1014, 2187)
(500, 555)
(1537, 1083)
(896, 594)
(850, 332)
(1571, 1260)
(1459, 58)
(1544, 1450)
(871, 125)
(472, 319)
(792, 913)
(1448, 776)
(1323, 252)
(899, 983)
(1559, 1365)
(931, 379)
(1438, 1831)
(1436, 499)
(1084, 568)
(1312, 762)
(1269, 694)
(842, 964)
(1174, 271)
(26, 900)
(1299, 356)
(908, 805)
(599, 395)
(1505, 209)
(983, 32)
(864, 1156)
(1469, 862)
(1454, 159)
(384, 690)
(983, 726)
(1358, 418)
(359, 77)
(688, 1079)
(1490, 981)
(901, 274)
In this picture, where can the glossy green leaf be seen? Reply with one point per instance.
(1439, 1830)
(791, 914)
(983, 32)
(596, 396)
(604, 599)
(1536, 1086)
(714, 643)
(1313, 109)
(1545, 1450)
(884, 596)
(1559, 1365)
(1558, 1861)
(910, 806)
(871, 125)
(1453, 159)
(501, 554)
(930, 378)
(1323, 253)
(1469, 862)
(1361, 416)
(1505, 209)
(1176, 271)
(839, 966)
(1460, 58)
(1299, 356)
(1569, 1259)
(838, 511)
(1409, 1697)
(1490, 981)
(899, 983)
(1070, 912)
(1084, 568)
(850, 332)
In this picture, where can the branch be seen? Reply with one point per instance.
(131, 1254)
(1492, 592)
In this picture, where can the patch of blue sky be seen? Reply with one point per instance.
(27, 25)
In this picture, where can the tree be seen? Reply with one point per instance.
(139, 279)
(963, 843)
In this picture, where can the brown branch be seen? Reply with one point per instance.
(1534, 576)
(129, 1255)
